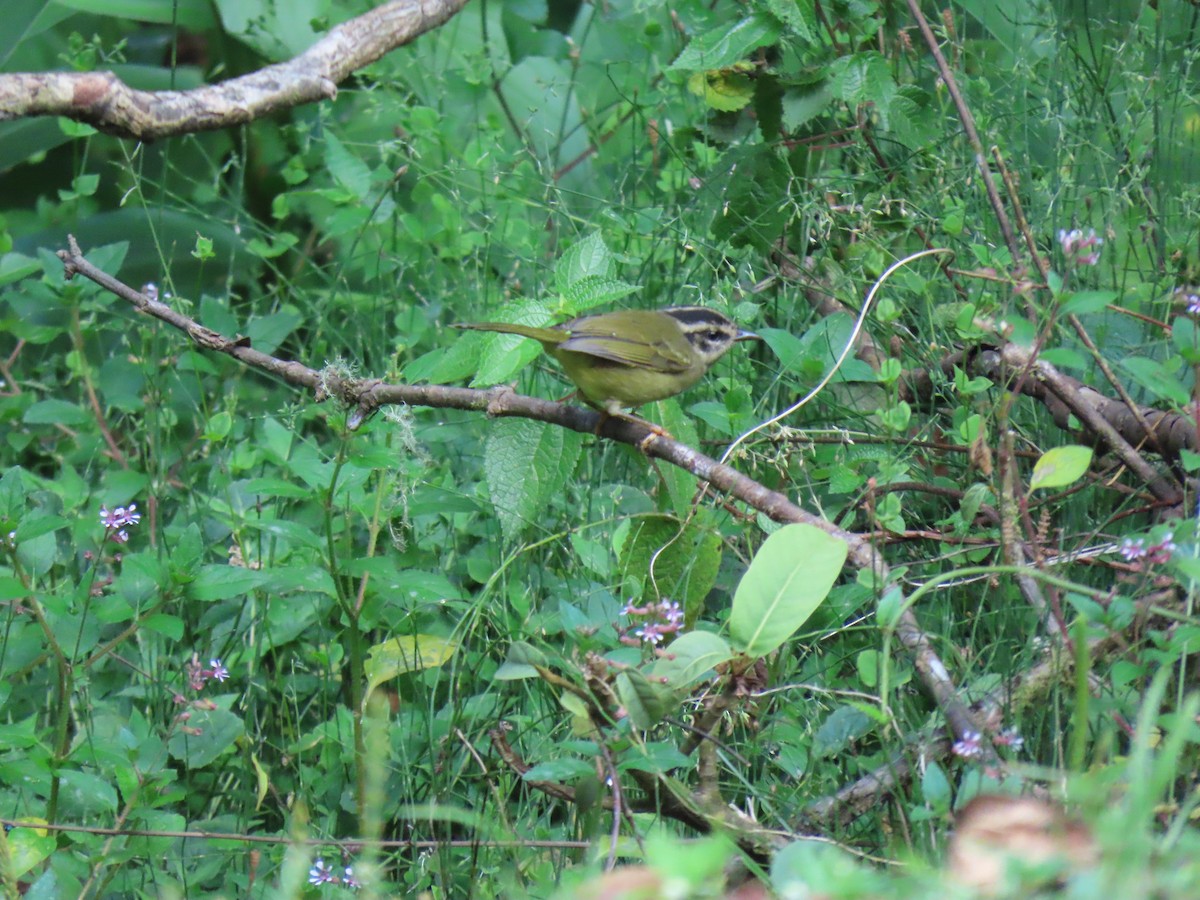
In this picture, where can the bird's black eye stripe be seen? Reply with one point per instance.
(697, 315)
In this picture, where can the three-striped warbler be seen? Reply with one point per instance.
(623, 359)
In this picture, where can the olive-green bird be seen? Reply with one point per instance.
(623, 359)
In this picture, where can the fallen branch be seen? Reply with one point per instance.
(105, 102)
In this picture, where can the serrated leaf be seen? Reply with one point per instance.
(503, 355)
(799, 18)
(754, 213)
(788, 578)
(527, 464)
(595, 290)
(727, 44)
(685, 563)
(588, 257)
(1060, 466)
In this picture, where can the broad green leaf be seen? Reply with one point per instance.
(689, 657)
(194, 15)
(1060, 466)
(935, 788)
(726, 90)
(845, 724)
(36, 526)
(726, 44)
(56, 412)
(588, 258)
(503, 355)
(658, 757)
(218, 426)
(404, 654)
(169, 626)
(669, 563)
(541, 94)
(521, 662)
(753, 210)
(28, 846)
(645, 702)
(266, 333)
(1083, 302)
(277, 30)
(1154, 377)
(347, 169)
(801, 105)
(84, 793)
(527, 464)
(11, 588)
(808, 868)
(218, 730)
(12, 496)
(559, 770)
(221, 582)
(787, 579)
(1185, 335)
(799, 18)
(594, 290)
(680, 483)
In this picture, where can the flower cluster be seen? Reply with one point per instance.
(1136, 550)
(971, 744)
(198, 676)
(116, 521)
(1009, 737)
(323, 873)
(1190, 297)
(1077, 246)
(660, 619)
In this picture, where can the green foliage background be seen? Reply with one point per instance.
(532, 160)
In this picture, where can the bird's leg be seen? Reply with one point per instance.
(612, 410)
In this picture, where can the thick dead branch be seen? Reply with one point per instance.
(1170, 433)
(105, 102)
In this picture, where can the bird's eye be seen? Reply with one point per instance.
(712, 334)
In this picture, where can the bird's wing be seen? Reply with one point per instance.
(656, 356)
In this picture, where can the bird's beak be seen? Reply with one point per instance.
(747, 336)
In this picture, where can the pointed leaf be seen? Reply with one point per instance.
(1060, 466)
(400, 655)
(643, 700)
(787, 580)
(689, 657)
